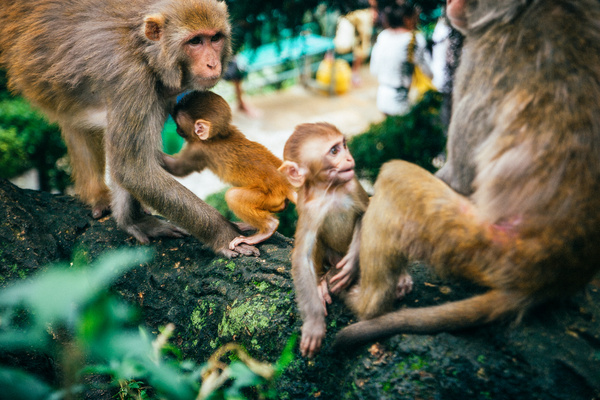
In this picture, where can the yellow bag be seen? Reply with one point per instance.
(343, 74)
(420, 83)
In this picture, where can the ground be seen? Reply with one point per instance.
(554, 353)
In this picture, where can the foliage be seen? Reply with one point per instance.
(67, 313)
(13, 159)
(264, 21)
(287, 218)
(416, 137)
(36, 139)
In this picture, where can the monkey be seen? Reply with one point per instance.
(109, 73)
(330, 205)
(516, 208)
(204, 120)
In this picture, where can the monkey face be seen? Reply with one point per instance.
(338, 164)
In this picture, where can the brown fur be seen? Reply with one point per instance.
(259, 188)
(108, 72)
(328, 225)
(523, 145)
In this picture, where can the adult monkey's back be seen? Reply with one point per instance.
(524, 146)
(108, 71)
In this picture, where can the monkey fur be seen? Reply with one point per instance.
(518, 210)
(330, 204)
(109, 72)
(204, 121)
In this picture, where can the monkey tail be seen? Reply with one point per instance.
(456, 315)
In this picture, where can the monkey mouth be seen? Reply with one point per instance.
(346, 174)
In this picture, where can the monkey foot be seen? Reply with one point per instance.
(404, 286)
(151, 227)
(251, 240)
(100, 209)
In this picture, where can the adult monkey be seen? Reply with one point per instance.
(524, 145)
(108, 71)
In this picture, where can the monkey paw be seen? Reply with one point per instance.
(313, 333)
(100, 209)
(404, 286)
(240, 250)
(151, 227)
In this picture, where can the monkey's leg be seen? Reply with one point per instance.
(248, 205)
(131, 217)
(86, 152)
(414, 216)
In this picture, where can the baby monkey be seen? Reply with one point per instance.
(330, 205)
(260, 190)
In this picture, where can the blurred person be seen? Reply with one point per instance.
(390, 59)
(353, 34)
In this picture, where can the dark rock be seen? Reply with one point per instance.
(553, 353)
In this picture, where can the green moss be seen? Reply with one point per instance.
(261, 286)
(247, 317)
(199, 315)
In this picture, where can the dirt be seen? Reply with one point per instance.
(553, 353)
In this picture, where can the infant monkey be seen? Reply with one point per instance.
(260, 190)
(330, 205)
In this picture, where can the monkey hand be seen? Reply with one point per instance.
(239, 250)
(324, 293)
(349, 270)
(149, 226)
(313, 333)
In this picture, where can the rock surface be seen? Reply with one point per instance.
(554, 353)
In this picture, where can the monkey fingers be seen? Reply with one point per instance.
(312, 338)
(245, 250)
(349, 270)
(324, 294)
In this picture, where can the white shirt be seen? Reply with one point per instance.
(387, 60)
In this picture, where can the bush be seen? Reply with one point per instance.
(13, 159)
(39, 140)
(416, 137)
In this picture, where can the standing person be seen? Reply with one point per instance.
(389, 59)
(353, 33)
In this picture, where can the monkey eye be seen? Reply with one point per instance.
(334, 150)
(216, 38)
(195, 40)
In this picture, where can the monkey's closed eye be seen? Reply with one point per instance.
(195, 40)
(219, 36)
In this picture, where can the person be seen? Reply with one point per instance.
(235, 74)
(389, 58)
(353, 33)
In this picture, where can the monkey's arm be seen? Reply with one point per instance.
(305, 275)
(182, 165)
(133, 143)
(348, 264)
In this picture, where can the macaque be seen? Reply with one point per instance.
(204, 121)
(330, 205)
(517, 208)
(109, 72)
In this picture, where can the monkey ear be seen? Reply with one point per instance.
(153, 26)
(295, 174)
(202, 129)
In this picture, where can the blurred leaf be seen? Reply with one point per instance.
(287, 355)
(20, 385)
(59, 293)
